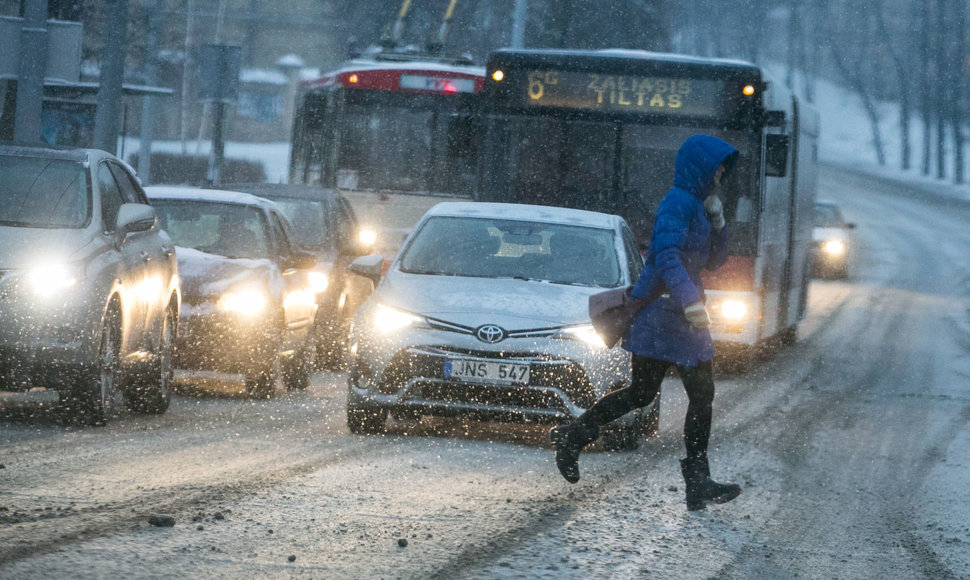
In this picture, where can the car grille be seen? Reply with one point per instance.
(546, 372)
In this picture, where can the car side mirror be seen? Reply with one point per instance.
(776, 155)
(134, 217)
(300, 261)
(370, 267)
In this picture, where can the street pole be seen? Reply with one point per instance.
(218, 146)
(30, 77)
(148, 101)
(519, 17)
(107, 119)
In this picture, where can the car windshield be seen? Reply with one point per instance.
(499, 248)
(307, 217)
(234, 231)
(43, 193)
(828, 216)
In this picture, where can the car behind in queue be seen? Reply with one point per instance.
(89, 295)
(248, 307)
(325, 225)
(483, 314)
(831, 241)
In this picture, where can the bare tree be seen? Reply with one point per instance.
(925, 92)
(941, 58)
(851, 63)
(902, 70)
(958, 89)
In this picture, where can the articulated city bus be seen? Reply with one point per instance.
(600, 130)
(389, 132)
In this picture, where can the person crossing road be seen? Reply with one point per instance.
(689, 233)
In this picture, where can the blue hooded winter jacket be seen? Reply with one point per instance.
(683, 241)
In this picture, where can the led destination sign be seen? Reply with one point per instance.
(626, 93)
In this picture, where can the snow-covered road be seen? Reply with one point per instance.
(850, 446)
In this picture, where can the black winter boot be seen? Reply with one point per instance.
(701, 489)
(570, 440)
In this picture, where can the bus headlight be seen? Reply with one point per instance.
(734, 310)
(834, 247)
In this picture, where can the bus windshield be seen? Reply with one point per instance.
(621, 168)
(397, 142)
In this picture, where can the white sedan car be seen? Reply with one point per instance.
(483, 314)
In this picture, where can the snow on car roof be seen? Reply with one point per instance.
(210, 195)
(525, 212)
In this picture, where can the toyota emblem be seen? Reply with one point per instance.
(490, 333)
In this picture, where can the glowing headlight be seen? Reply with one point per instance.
(734, 309)
(318, 281)
(587, 334)
(387, 319)
(834, 247)
(247, 302)
(367, 237)
(302, 297)
(52, 278)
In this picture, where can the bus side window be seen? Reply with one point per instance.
(776, 155)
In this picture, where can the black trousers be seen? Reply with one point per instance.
(648, 373)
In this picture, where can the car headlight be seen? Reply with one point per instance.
(585, 333)
(367, 237)
(301, 297)
(318, 281)
(49, 279)
(734, 309)
(246, 302)
(387, 319)
(834, 247)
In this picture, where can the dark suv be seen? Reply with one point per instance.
(89, 295)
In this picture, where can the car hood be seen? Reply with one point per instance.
(513, 304)
(826, 234)
(26, 247)
(205, 274)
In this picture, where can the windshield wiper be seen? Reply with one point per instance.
(424, 272)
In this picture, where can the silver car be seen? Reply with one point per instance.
(89, 294)
(483, 314)
(249, 305)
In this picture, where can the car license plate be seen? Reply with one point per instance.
(477, 370)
